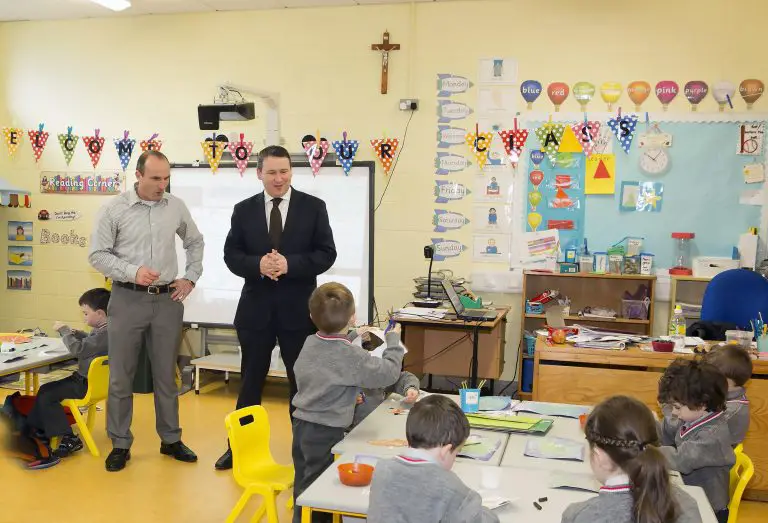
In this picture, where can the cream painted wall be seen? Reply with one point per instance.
(149, 73)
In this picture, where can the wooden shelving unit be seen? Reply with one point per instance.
(686, 289)
(584, 289)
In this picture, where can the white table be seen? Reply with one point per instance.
(327, 494)
(382, 424)
(39, 354)
(226, 362)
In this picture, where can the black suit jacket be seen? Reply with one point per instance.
(307, 244)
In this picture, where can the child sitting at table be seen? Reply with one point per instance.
(735, 363)
(330, 371)
(418, 485)
(695, 438)
(47, 414)
(625, 458)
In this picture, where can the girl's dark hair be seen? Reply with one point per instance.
(695, 384)
(624, 428)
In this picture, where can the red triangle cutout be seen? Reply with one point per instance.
(561, 194)
(602, 172)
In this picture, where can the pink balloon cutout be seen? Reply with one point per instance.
(666, 91)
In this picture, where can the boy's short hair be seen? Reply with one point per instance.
(331, 307)
(695, 384)
(96, 299)
(733, 360)
(436, 421)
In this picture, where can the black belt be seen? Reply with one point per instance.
(149, 289)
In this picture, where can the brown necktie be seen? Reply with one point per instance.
(275, 223)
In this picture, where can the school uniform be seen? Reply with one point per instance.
(413, 488)
(615, 504)
(330, 371)
(702, 453)
(47, 414)
(375, 397)
(737, 414)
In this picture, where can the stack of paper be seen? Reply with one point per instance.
(420, 312)
(510, 423)
(551, 409)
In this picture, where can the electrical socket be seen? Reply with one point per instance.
(409, 104)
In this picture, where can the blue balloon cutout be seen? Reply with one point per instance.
(537, 157)
(530, 89)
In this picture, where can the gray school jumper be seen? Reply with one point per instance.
(615, 505)
(701, 451)
(413, 489)
(375, 397)
(737, 414)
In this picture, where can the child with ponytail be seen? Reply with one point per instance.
(625, 458)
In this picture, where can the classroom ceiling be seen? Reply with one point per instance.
(13, 10)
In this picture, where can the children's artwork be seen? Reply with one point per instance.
(19, 280)
(446, 191)
(550, 134)
(753, 173)
(71, 238)
(317, 151)
(496, 99)
(600, 177)
(540, 244)
(555, 448)
(751, 136)
(449, 84)
(241, 153)
(19, 255)
(491, 217)
(446, 163)
(151, 144)
(480, 144)
(641, 196)
(448, 136)
(751, 90)
(346, 151)
(610, 92)
(492, 189)
(68, 142)
(497, 71)
(385, 150)
(13, 137)
(448, 111)
(603, 143)
(20, 231)
(124, 148)
(94, 145)
(38, 138)
(695, 91)
(445, 220)
(445, 248)
(624, 129)
(530, 90)
(490, 247)
(213, 150)
(103, 183)
(569, 143)
(557, 93)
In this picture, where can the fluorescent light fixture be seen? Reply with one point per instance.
(115, 5)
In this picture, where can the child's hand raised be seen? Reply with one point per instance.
(59, 325)
(411, 395)
(359, 400)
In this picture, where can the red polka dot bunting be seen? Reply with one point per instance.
(241, 153)
(38, 138)
(514, 142)
(316, 154)
(385, 150)
(586, 133)
(94, 145)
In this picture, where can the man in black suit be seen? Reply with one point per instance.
(279, 242)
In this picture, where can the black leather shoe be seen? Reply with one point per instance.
(178, 451)
(116, 459)
(225, 461)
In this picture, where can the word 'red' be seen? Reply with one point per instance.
(72, 238)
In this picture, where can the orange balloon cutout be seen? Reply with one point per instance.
(558, 93)
(610, 92)
(751, 90)
(534, 220)
(638, 92)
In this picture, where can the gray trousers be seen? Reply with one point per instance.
(132, 315)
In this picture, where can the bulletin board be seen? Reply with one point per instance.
(702, 190)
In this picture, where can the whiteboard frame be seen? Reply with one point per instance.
(370, 165)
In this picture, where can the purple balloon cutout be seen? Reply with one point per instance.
(530, 89)
(537, 157)
(695, 91)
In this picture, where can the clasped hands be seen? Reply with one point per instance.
(273, 265)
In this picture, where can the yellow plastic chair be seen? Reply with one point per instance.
(738, 449)
(741, 473)
(98, 386)
(252, 464)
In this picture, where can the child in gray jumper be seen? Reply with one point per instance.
(735, 363)
(418, 485)
(330, 371)
(625, 458)
(696, 439)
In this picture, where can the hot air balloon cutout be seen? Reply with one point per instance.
(385, 149)
(638, 91)
(94, 145)
(666, 91)
(38, 138)
(68, 142)
(530, 89)
(586, 132)
(213, 150)
(624, 129)
(534, 220)
(534, 198)
(346, 151)
(610, 92)
(13, 137)
(124, 148)
(480, 143)
(695, 91)
(723, 93)
(583, 92)
(558, 93)
(153, 144)
(751, 90)
(316, 151)
(537, 157)
(514, 142)
(549, 135)
(241, 153)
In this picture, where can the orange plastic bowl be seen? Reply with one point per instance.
(355, 474)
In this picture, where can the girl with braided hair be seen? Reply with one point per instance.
(625, 458)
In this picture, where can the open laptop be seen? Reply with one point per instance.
(463, 313)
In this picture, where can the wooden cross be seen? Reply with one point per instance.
(385, 47)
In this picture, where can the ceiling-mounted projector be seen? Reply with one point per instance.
(209, 115)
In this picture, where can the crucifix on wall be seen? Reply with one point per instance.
(385, 47)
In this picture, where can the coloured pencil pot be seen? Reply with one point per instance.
(762, 344)
(470, 399)
(682, 266)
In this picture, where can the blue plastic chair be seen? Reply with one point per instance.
(735, 296)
